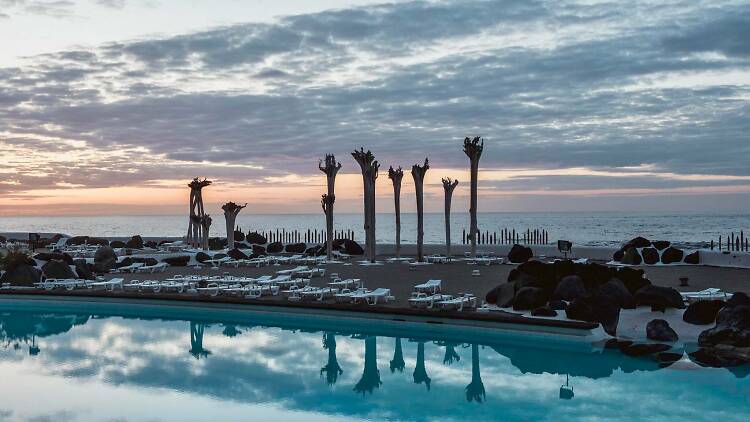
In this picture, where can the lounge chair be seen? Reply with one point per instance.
(130, 268)
(458, 303)
(346, 284)
(431, 286)
(346, 295)
(423, 300)
(372, 297)
(319, 293)
(156, 268)
(109, 284)
(293, 271)
(707, 294)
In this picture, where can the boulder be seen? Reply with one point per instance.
(275, 247)
(659, 298)
(239, 236)
(352, 248)
(618, 255)
(177, 261)
(236, 254)
(217, 243)
(570, 288)
(57, 269)
(732, 325)
(671, 255)
(544, 311)
(527, 298)
(259, 250)
(117, 244)
(595, 309)
(104, 259)
(77, 240)
(659, 330)
(202, 257)
(49, 256)
(693, 258)
(703, 312)
(255, 238)
(558, 305)
(643, 349)
(650, 256)
(501, 295)
(83, 269)
(635, 243)
(135, 242)
(631, 257)
(632, 278)
(151, 244)
(519, 254)
(21, 275)
(338, 244)
(720, 357)
(220, 255)
(295, 248)
(661, 244)
(616, 291)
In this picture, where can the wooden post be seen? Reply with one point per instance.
(396, 176)
(369, 167)
(473, 149)
(448, 186)
(418, 172)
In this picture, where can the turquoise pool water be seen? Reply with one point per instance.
(83, 362)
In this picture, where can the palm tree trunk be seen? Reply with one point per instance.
(418, 172)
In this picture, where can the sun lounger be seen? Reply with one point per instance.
(372, 298)
(257, 291)
(156, 268)
(346, 295)
(707, 294)
(319, 293)
(466, 300)
(423, 300)
(129, 268)
(109, 284)
(431, 286)
(292, 271)
(346, 284)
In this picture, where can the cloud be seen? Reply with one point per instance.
(114, 4)
(547, 85)
(53, 8)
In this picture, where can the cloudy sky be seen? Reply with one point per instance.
(111, 106)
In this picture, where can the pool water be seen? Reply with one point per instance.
(83, 362)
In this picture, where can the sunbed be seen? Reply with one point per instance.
(431, 286)
(466, 300)
(423, 300)
(372, 298)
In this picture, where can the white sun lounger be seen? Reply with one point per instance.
(423, 300)
(707, 294)
(156, 268)
(319, 293)
(346, 284)
(109, 284)
(374, 296)
(292, 271)
(345, 295)
(459, 303)
(431, 286)
(129, 268)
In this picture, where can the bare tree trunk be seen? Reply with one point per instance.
(331, 168)
(231, 210)
(448, 186)
(396, 176)
(369, 167)
(194, 235)
(473, 149)
(418, 173)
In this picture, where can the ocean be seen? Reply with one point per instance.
(583, 229)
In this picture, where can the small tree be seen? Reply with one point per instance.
(473, 149)
(396, 176)
(369, 167)
(230, 215)
(331, 168)
(475, 390)
(448, 186)
(420, 372)
(418, 172)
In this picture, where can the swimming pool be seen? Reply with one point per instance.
(78, 362)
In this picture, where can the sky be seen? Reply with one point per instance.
(112, 106)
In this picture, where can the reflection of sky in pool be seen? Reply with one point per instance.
(107, 367)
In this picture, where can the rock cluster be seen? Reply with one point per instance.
(586, 292)
(640, 250)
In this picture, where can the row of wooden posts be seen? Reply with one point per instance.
(732, 242)
(306, 236)
(508, 236)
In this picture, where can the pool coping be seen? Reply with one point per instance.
(497, 320)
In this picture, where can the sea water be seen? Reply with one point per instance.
(145, 363)
(584, 229)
